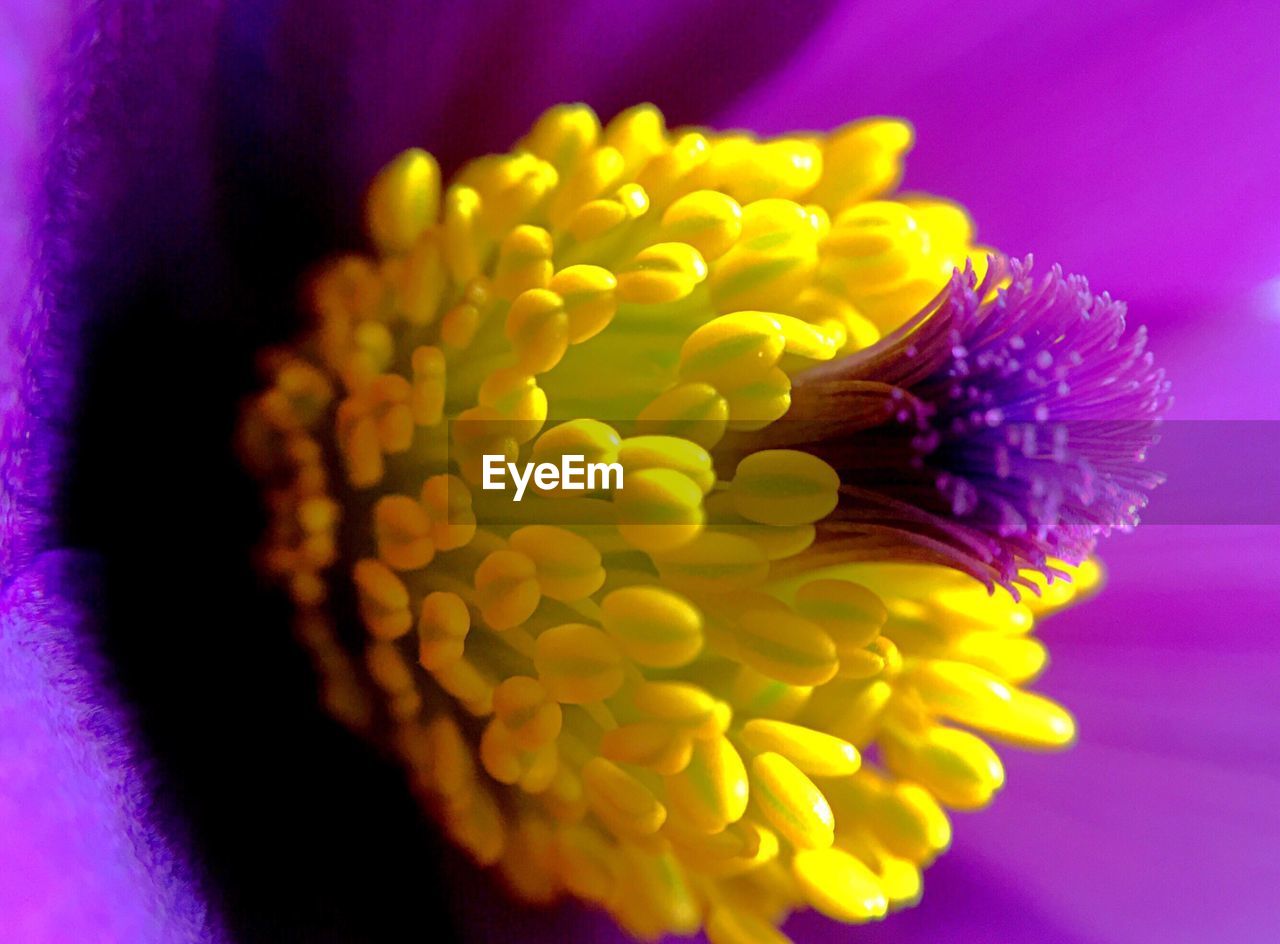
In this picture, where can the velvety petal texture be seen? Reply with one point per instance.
(171, 168)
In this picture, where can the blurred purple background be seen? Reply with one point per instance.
(169, 168)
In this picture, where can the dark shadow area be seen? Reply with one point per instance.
(217, 185)
(303, 832)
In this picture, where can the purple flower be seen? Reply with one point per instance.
(170, 168)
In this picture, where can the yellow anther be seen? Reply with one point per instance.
(660, 898)
(318, 514)
(654, 626)
(598, 171)
(710, 852)
(733, 350)
(835, 316)
(639, 134)
(589, 301)
(563, 135)
(814, 752)
(462, 238)
(659, 746)
(403, 200)
(481, 431)
(711, 792)
(357, 436)
(819, 219)
(668, 452)
(388, 668)
(692, 411)
(850, 613)
(512, 187)
(564, 799)
(962, 692)
(459, 325)
(538, 329)
(467, 684)
(910, 823)
(950, 229)
(957, 767)
(526, 859)
(448, 501)
(780, 543)
(766, 222)
(860, 663)
(622, 802)
(753, 693)
(683, 704)
(858, 710)
(784, 487)
(757, 404)
(403, 533)
(1016, 658)
(507, 589)
(499, 756)
(506, 762)
(677, 170)
(839, 885)
(479, 828)
(522, 704)
(586, 863)
(634, 199)
(389, 396)
(596, 218)
(707, 220)
(750, 170)
(901, 881)
(420, 280)
(453, 772)
(664, 272)
(792, 803)
(578, 664)
(811, 341)
(861, 160)
(658, 509)
(591, 439)
(872, 248)
(443, 623)
(773, 261)
(785, 647)
(524, 262)
(373, 349)
(518, 398)
(568, 565)
(384, 601)
(426, 398)
(714, 562)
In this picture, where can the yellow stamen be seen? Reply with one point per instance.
(651, 697)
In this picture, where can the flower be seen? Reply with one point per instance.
(657, 696)
(276, 109)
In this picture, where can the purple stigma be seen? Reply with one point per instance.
(999, 429)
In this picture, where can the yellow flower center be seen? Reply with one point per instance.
(646, 697)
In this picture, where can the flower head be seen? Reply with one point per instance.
(666, 699)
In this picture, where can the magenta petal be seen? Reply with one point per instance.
(87, 853)
(1132, 141)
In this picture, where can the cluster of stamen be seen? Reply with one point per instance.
(653, 699)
